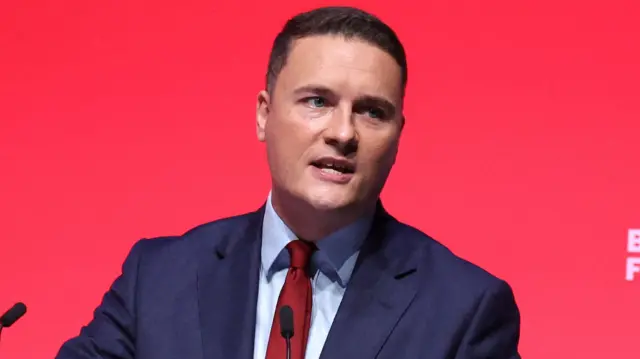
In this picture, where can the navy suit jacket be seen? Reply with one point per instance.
(194, 297)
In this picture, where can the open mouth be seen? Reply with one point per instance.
(334, 166)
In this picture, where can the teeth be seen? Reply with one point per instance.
(331, 170)
(338, 168)
(331, 167)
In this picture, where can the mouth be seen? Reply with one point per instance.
(334, 166)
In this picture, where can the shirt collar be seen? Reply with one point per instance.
(334, 251)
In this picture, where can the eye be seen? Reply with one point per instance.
(315, 101)
(372, 109)
(374, 112)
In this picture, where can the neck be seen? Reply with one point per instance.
(313, 224)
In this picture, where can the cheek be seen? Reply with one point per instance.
(286, 144)
(295, 130)
(379, 155)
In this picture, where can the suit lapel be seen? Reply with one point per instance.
(381, 288)
(227, 291)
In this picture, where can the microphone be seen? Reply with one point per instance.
(286, 326)
(12, 315)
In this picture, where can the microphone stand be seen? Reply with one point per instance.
(288, 339)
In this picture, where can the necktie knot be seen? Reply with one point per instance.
(300, 253)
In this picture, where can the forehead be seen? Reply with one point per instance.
(349, 67)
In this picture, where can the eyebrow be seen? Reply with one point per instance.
(324, 91)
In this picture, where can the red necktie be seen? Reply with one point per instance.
(295, 293)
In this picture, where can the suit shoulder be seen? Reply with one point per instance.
(445, 265)
(206, 235)
(223, 225)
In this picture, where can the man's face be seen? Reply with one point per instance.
(332, 122)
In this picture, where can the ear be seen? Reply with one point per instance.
(262, 114)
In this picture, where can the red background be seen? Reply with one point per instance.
(129, 119)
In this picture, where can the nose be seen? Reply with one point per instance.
(341, 131)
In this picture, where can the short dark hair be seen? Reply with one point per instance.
(344, 21)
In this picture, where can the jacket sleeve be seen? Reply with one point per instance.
(495, 328)
(111, 334)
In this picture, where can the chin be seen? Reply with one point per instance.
(327, 200)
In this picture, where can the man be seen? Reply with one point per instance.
(358, 283)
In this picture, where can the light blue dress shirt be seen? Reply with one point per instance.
(332, 264)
